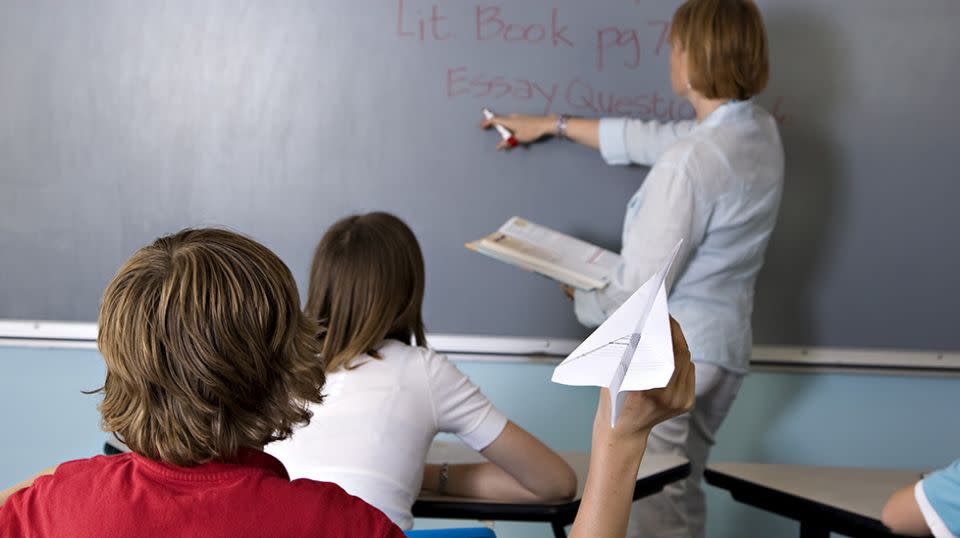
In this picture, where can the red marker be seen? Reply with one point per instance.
(504, 132)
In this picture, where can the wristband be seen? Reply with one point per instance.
(562, 127)
(443, 477)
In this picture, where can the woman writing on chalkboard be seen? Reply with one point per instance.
(715, 182)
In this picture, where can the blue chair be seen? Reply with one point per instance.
(453, 533)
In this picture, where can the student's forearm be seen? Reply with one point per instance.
(532, 464)
(479, 480)
(617, 450)
(605, 508)
(5, 494)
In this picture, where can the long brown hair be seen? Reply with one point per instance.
(366, 285)
(206, 349)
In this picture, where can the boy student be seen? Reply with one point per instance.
(208, 359)
(931, 506)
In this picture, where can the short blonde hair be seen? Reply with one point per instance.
(206, 349)
(726, 46)
(366, 285)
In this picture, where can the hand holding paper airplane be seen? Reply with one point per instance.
(632, 350)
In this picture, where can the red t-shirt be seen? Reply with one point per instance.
(129, 495)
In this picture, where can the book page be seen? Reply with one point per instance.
(526, 248)
(521, 254)
(574, 254)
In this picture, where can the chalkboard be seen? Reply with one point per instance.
(121, 121)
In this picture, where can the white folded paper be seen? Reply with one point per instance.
(632, 350)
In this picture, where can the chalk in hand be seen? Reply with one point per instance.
(504, 132)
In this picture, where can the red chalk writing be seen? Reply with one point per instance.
(777, 111)
(663, 36)
(582, 97)
(617, 45)
(576, 95)
(414, 24)
(424, 21)
(625, 39)
(463, 83)
(490, 24)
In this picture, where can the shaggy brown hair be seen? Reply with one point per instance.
(726, 47)
(206, 349)
(366, 285)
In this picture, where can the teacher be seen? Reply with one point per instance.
(716, 183)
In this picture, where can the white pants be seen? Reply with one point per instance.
(680, 509)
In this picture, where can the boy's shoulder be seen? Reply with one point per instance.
(131, 492)
(82, 471)
(59, 497)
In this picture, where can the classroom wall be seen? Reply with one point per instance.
(822, 419)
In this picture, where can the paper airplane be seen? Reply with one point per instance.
(632, 350)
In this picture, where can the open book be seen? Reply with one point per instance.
(537, 248)
(632, 350)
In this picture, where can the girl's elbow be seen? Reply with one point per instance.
(569, 489)
(564, 487)
(570, 483)
(900, 522)
(898, 525)
(888, 518)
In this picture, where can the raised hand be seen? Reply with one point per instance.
(644, 410)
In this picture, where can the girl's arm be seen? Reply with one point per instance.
(902, 514)
(521, 469)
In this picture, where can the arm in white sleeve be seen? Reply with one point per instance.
(667, 213)
(459, 406)
(625, 141)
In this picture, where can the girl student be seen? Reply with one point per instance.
(388, 395)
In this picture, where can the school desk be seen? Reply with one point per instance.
(848, 501)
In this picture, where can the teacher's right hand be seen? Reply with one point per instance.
(525, 129)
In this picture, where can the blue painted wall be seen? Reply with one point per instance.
(823, 419)
(45, 416)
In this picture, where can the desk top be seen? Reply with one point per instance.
(859, 491)
(653, 466)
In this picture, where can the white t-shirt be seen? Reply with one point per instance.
(372, 433)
